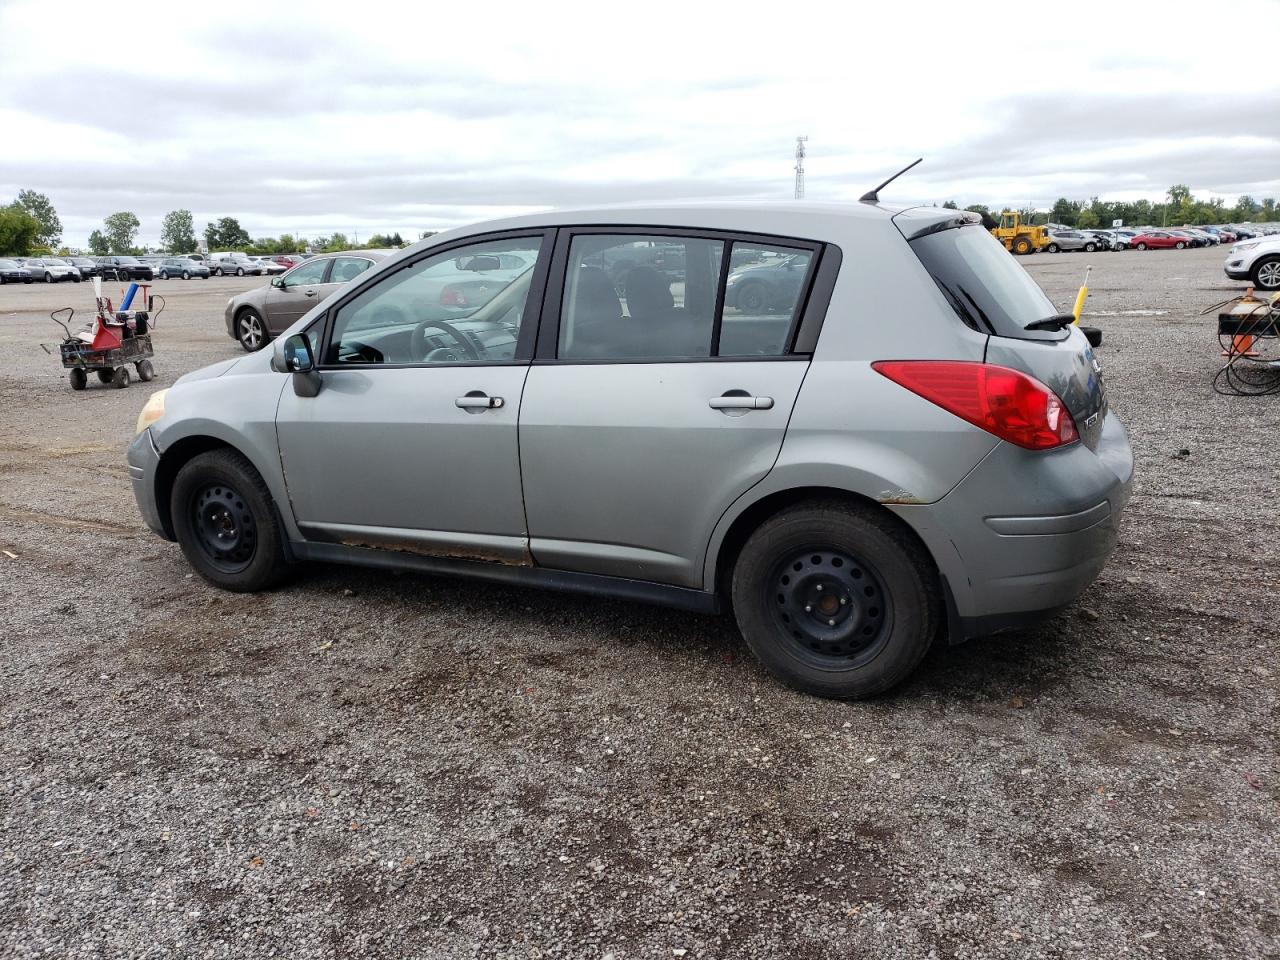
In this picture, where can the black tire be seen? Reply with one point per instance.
(1023, 247)
(251, 331)
(752, 296)
(239, 271)
(217, 271)
(48, 277)
(879, 580)
(121, 378)
(186, 274)
(79, 379)
(162, 275)
(1179, 245)
(146, 371)
(1266, 273)
(1140, 246)
(1090, 247)
(226, 522)
(105, 375)
(1052, 248)
(76, 278)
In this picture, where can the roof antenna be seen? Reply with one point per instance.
(873, 196)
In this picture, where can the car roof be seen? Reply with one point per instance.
(809, 219)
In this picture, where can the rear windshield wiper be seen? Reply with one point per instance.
(1056, 322)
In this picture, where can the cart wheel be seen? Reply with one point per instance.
(79, 379)
(122, 377)
(106, 375)
(146, 372)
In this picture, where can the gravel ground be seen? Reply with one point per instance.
(365, 765)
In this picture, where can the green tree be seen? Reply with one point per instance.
(18, 231)
(979, 208)
(1087, 219)
(38, 206)
(1268, 210)
(1064, 211)
(950, 205)
(227, 234)
(1179, 194)
(337, 242)
(98, 244)
(122, 228)
(178, 232)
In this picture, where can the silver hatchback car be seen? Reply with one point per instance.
(904, 441)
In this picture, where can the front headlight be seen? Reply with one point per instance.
(152, 411)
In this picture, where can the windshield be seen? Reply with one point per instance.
(984, 283)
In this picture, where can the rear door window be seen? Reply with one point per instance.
(985, 285)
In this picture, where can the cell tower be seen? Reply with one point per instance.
(800, 142)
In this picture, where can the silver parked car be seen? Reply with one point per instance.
(233, 264)
(1071, 240)
(256, 316)
(52, 269)
(912, 442)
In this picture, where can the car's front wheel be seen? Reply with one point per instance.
(186, 274)
(752, 297)
(1090, 247)
(1266, 274)
(1180, 245)
(226, 523)
(836, 599)
(239, 271)
(250, 330)
(48, 277)
(1141, 246)
(1052, 248)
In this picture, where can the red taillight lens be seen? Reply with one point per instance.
(452, 297)
(1004, 402)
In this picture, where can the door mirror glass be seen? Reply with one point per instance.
(297, 354)
(277, 281)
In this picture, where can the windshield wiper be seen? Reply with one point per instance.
(1057, 322)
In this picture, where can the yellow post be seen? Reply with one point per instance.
(1084, 292)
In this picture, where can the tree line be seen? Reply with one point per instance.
(29, 226)
(1180, 209)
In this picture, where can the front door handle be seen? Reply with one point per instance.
(740, 401)
(310, 293)
(478, 401)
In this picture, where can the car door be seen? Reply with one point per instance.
(653, 403)
(411, 442)
(294, 293)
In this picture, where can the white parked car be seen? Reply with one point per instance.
(1257, 260)
(269, 266)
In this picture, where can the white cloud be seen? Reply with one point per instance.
(406, 116)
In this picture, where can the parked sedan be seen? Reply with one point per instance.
(763, 286)
(1158, 240)
(883, 486)
(1192, 240)
(269, 266)
(11, 271)
(258, 315)
(87, 266)
(181, 267)
(227, 264)
(1071, 240)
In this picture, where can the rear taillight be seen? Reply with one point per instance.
(452, 297)
(1004, 402)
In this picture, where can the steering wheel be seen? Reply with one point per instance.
(421, 348)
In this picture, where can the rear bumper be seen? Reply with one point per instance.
(1025, 533)
(144, 459)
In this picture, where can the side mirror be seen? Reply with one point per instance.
(295, 357)
(278, 282)
(297, 354)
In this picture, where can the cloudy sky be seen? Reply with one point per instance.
(319, 117)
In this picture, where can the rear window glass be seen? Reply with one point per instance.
(984, 283)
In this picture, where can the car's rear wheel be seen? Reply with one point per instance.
(1090, 247)
(186, 274)
(163, 275)
(752, 296)
(217, 271)
(250, 330)
(1052, 248)
(226, 523)
(836, 599)
(1266, 274)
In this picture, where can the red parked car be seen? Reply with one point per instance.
(288, 260)
(1157, 240)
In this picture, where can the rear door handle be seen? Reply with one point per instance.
(478, 401)
(738, 402)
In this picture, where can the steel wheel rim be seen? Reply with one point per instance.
(224, 527)
(830, 607)
(251, 331)
(1269, 274)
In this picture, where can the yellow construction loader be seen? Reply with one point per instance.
(1018, 237)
